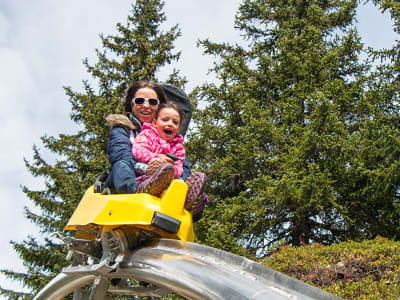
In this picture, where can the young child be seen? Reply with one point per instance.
(159, 140)
(161, 137)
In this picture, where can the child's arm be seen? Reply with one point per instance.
(142, 148)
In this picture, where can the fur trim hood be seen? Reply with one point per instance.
(120, 120)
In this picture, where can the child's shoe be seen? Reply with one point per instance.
(194, 198)
(153, 166)
(158, 182)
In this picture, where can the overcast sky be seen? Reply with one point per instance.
(42, 45)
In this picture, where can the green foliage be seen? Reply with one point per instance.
(138, 51)
(351, 270)
(299, 138)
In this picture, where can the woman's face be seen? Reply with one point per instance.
(145, 112)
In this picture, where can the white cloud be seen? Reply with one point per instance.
(375, 27)
(17, 93)
(4, 29)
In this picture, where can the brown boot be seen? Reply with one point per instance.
(194, 198)
(153, 166)
(158, 182)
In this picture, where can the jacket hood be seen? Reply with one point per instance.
(120, 120)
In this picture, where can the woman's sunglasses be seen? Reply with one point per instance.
(141, 101)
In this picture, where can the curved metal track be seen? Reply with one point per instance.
(193, 271)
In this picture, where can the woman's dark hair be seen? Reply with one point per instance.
(172, 105)
(137, 85)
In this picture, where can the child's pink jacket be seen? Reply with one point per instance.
(148, 145)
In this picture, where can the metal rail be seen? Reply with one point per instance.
(193, 271)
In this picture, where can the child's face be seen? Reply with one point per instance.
(167, 123)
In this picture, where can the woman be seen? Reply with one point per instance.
(141, 105)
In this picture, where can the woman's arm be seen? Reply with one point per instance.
(119, 146)
(187, 171)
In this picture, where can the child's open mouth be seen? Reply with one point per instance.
(167, 131)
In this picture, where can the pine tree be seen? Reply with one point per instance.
(280, 132)
(374, 168)
(137, 51)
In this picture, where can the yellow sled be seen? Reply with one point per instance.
(163, 217)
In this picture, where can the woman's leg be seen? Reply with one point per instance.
(122, 178)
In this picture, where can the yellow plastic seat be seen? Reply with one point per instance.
(164, 217)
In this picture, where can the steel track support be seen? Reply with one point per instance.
(98, 290)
